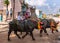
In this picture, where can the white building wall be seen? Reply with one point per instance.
(1, 5)
(17, 7)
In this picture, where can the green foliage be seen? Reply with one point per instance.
(6, 2)
(57, 15)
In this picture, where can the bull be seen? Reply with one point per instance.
(47, 24)
(23, 26)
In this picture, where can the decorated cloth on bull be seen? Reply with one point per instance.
(39, 25)
(52, 23)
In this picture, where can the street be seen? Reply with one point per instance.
(15, 14)
(51, 38)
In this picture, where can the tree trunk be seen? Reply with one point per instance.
(7, 7)
(6, 12)
(13, 8)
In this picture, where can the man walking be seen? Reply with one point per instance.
(7, 13)
(11, 12)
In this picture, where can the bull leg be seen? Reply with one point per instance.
(45, 31)
(9, 34)
(17, 35)
(56, 30)
(31, 34)
(41, 32)
(21, 33)
(52, 29)
(25, 35)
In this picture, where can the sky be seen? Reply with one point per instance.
(47, 6)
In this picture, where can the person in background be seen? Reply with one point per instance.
(11, 12)
(1, 17)
(22, 18)
(7, 13)
(28, 12)
(18, 17)
(26, 15)
(23, 7)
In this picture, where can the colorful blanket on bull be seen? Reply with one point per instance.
(39, 25)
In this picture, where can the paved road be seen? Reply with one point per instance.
(52, 38)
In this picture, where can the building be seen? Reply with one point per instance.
(17, 7)
(2, 8)
(31, 10)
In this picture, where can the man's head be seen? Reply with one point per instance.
(18, 13)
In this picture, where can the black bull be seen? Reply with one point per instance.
(23, 26)
(47, 24)
(28, 26)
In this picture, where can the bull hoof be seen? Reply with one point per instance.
(56, 30)
(33, 39)
(40, 35)
(47, 34)
(19, 37)
(52, 31)
(22, 37)
(9, 40)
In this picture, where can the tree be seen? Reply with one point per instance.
(6, 2)
(57, 15)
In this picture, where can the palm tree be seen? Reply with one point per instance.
(6, 2)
